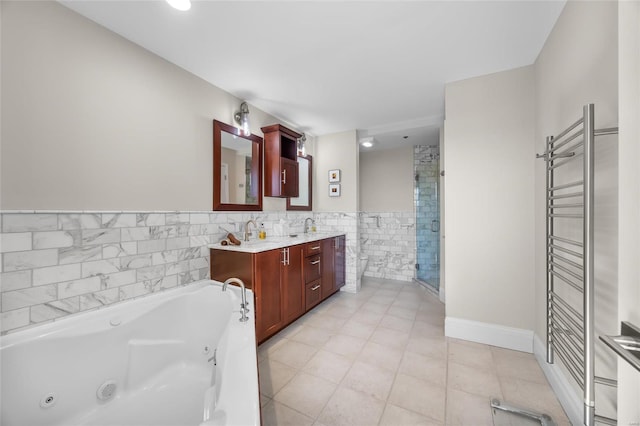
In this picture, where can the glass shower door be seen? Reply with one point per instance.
(427, 210)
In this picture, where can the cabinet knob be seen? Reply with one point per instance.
(284, 177)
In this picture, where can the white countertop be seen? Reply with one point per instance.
(271, 243)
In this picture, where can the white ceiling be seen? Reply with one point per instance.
(329, 66)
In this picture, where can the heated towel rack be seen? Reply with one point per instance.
(570, 256)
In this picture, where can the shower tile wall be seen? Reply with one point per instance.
(59, 263)
(388, 238)
(427, 207)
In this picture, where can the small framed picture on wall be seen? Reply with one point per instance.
(334, 176)
(334, 190)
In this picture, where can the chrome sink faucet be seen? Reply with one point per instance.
(243, 305)
(247, 233)
(306, 226)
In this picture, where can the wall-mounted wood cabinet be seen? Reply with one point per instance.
(280, 161)
(287, 281)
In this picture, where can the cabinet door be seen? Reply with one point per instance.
(328, 276)
(292, 285)
(268, 293)
(340, 260)
(288, 178)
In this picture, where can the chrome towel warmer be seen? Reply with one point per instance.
(570, 262)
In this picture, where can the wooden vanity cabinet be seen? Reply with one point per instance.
(291, 280)
(333, 265)
(280, 161)
(286, 282)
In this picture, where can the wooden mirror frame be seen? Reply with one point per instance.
(309, 189)
(256, 167)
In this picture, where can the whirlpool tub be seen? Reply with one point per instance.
(180, 357)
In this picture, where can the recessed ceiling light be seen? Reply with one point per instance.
(367, 142)
(180, 4)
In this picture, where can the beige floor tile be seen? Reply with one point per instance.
(419, 396)
(435, 318)
(306, 393)
(367, 317)
(387, 291)
(398, 416)
(342, 311)
(273, 376)
(471, 354)
(270, 346)
(473, 380)
(312, 336)
(328, 365)
(402, 312)
(290, 330)
(392, 338)
(374, 307)
(534, 396)
(425, 329)
(294, 354)
(371, 380)
(406, 303)
(382, 300)
(348, 407)
(326, 322)
(518, 365)
(348, 346)
(381, 356)
(432, 370)
(357, 329)
(434, 347)
(465, 409)
(276, 414)
(396, 323)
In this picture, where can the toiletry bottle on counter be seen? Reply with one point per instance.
(262, 234)
(313, 226)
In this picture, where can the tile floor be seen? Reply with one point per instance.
(379, 357)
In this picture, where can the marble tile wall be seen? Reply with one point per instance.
(388, 238)
(59, 263)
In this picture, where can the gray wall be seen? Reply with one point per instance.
(93, 121)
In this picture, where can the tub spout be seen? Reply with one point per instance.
(243, 305)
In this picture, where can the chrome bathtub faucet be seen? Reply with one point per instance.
(243, 305)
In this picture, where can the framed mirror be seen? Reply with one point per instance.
(237, 169)
(304, 199)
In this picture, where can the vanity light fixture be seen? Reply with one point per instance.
(242, 118)
(182, 5)
(301, 142)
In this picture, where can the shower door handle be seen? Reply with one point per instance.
(435, 225)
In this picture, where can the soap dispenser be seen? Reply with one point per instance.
(262, 234)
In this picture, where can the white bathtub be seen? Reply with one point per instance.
(158, 353)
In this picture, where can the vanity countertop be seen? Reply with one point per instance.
(271, 243)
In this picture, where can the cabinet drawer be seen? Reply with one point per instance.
(312, 268)
(312, 248)
(313, 294)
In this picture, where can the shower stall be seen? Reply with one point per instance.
(426, 159)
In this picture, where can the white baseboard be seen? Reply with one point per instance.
(571, 402)
(517, 339)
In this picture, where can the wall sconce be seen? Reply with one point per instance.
(301, 142)
(242, 118)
